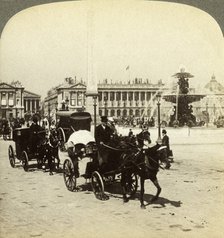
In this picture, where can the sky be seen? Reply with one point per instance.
(42, 45)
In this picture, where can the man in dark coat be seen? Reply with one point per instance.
(143, 137)
(165, 141)
(103, 135)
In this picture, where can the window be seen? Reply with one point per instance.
(130, 96)
(73, 99)
(124, 96)
(11, 101)
(112, 96)
(3, 99)
(118, 96)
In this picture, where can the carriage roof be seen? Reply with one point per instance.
(78, 120)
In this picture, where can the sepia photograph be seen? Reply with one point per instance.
(111, 118)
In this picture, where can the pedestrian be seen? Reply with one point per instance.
(165, 141)
(130, 134)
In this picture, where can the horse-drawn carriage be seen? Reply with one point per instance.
(74, 130)
(68, 122)
(31, 145)
(125, 160)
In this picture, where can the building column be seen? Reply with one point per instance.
(31, 105)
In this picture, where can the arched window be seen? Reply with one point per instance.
(118, 112)
(112, 113)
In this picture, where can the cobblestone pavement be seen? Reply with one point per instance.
(34, 204)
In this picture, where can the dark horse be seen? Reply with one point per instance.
(49, 151)
(146, 163)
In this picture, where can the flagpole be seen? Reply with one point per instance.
(128, 69)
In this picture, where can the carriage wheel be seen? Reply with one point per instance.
(25, 161)
(69, 175)
(62, 139)
(97, 185)
(11, 156)
(131, 185)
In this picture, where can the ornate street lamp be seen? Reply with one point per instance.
(159, 140)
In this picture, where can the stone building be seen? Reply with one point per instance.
(136, 98)
(213, 103)
(15, 100)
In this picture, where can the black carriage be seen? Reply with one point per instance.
(27, 147)
(117, 169)
(68, 122)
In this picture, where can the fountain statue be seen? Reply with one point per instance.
(183, 110)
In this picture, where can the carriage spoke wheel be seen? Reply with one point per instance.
(98, 186)
(69, 175)
(25, 161)
(131, 185)
(11, 156)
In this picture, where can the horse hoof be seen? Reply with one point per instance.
(143, 206)
(125, 200)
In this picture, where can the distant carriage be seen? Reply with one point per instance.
(68, 122)
(30, 146)
(26, 149)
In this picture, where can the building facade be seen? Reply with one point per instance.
(137, 98)
(213, 103)
(15, 100)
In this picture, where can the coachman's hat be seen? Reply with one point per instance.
(104, 118)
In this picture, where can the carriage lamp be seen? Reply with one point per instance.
(158, 97)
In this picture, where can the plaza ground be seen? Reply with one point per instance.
(191, 203)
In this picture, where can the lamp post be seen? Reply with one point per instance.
(49, 110)
(207, 114)
(56, 106)
(94, 95)
(66, 103)
(105, 104)
(159, 140)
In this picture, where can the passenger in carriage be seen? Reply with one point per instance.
(34, 137)
(103, 135)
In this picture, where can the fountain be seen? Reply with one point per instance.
(182, 111)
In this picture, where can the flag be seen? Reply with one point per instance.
(127, 68)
